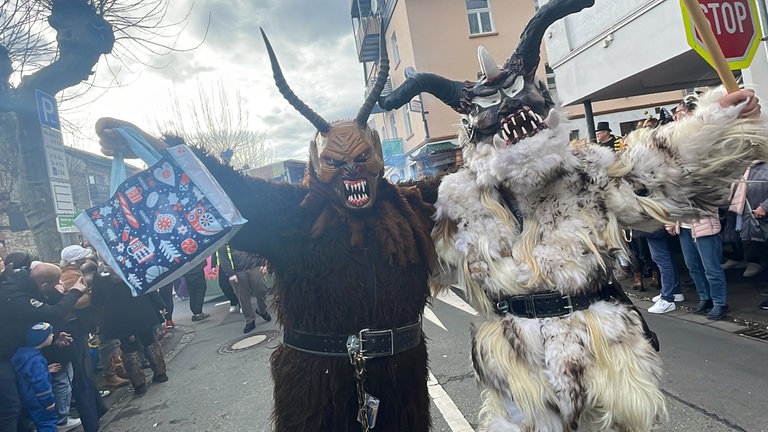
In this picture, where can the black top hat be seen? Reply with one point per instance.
(602, 126)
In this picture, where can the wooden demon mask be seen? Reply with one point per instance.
(345, 155)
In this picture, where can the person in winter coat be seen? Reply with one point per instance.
(33, 377)
(22, 295)
(243, 270)
(132, 320)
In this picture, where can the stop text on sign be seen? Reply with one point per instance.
(726, 17)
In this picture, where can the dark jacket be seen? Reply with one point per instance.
(33, 379)
(21, 306)
(232, 261)
(123, 314)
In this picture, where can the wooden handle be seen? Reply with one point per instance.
(710, 43)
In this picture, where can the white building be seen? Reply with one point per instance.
(605, 57)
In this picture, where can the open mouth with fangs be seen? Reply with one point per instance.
(358, 192)
(521, 124)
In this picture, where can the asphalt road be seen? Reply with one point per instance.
(716, 380)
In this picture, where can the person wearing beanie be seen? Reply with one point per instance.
(33, 377)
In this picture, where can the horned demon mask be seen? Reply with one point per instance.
(508, 103)
(345, 156)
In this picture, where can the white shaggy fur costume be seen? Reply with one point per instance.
(593, 370)
(530, 227)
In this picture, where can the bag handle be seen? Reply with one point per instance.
(138, 145)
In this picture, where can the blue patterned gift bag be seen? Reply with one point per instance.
(159, 223)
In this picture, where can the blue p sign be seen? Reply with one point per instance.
(47, 110)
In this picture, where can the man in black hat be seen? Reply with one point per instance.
(606, 139)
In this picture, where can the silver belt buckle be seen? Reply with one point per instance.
(569, 306)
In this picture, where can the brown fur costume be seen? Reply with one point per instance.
(331, 281)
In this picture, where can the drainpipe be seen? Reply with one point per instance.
(589, 117)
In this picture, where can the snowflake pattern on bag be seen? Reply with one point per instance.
(157, 221)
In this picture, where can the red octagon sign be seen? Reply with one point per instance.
(736, 28)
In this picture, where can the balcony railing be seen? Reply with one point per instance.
(367, 38)
(392, 148)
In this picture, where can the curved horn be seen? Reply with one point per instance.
(529, 48)
(378, 86)
(314, 118)
(448, 91)
(487, 64)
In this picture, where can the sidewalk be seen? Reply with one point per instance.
(743, 296)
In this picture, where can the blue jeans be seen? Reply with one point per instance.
(661, 255)
(702, 256)
(61, 382)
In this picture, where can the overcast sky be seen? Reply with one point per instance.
(313, 41)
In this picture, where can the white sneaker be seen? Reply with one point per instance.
(678, 298)
(234, 309)
(753, 269)
(733, 264)
(69, 425)
(662, 306)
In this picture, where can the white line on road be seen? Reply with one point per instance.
(445, 405)
(450, 297)
(430, 315)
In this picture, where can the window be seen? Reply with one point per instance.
(479, 15)
(395, 49)
(393, 125)
(407, 118)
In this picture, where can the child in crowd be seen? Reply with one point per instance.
(33, 377)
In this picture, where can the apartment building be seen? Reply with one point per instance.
(619, 61)
(437, 36)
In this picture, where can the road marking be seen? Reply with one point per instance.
(430, 315)
(447, 408)
(450, 297)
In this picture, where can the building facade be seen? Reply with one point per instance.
(619, 61)
(436, 36)
(623, 59)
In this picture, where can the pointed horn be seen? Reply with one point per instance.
(378, 86)
(487, 64)
(529, 48)
(314, 118)
(449, 91)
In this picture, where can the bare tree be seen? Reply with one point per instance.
(54, 45)
(217, 120)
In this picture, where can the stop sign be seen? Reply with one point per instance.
(736, 28)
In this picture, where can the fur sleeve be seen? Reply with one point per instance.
(689, 164)
(272, 208)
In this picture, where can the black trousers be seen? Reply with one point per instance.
(166, 293)
(196, 287)
(10, 402)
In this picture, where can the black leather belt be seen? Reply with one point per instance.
(546, 305)
(370, 342)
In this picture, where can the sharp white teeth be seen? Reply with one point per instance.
(538, 117)
(522, 115)
(346, 185)
(506, 127)
(534, 125)
(514, 122)
(525, 132)
(516, 135)
(531, 114)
